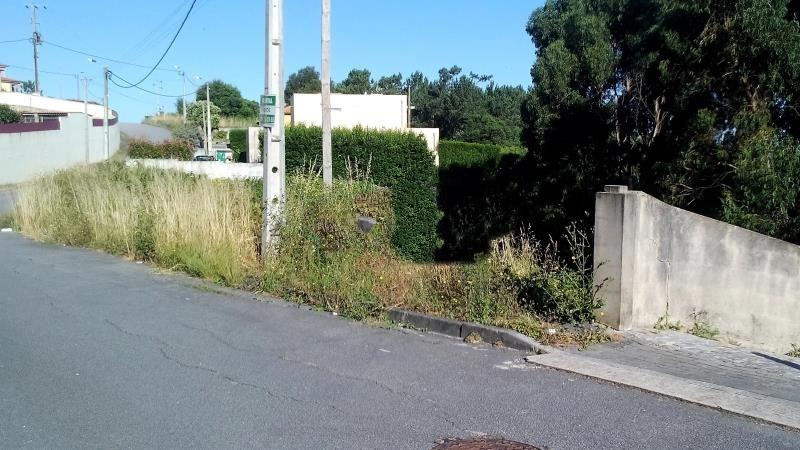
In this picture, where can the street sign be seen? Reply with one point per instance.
(268, 110)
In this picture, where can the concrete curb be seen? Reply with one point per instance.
(773, 410)
(459, 329)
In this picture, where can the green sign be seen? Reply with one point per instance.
(268, 110)
(269, 100)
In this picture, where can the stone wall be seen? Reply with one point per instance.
(658, 261)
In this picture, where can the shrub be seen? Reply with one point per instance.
(545, 285)
(466, 154)
(477, 196)
(187, 132)
(9, 115)
(322, 257)
(397, 160)
(237, 141)
(173, 149)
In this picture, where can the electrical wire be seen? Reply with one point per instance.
(112, 75)
(163, 55)
(42, 71)
(103, 57)
(159, 32)
(15, 40)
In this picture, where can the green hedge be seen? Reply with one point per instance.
(478, 196)
(237, 141)
(173, 149)
(468, 154)
(396, 160)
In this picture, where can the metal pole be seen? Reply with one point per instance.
(105, 113)
(327, 158)
(208, 120)
(86, 114)
(274, 181)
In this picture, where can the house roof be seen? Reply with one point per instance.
(10, 80)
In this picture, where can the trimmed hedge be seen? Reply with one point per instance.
(467, 154)
(478, 196)
(397, 160)
(237, 141)
(172, 149)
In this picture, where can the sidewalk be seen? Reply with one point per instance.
(737, 379)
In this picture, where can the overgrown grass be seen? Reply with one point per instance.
(794, 352)
(200, 226)
(211, 228)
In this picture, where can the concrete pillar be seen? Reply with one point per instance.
(613, 257)
(253, 149)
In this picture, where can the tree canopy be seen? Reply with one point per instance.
(471, 108)
(196, 114)
(228, 98)
(693, 101)
(304, 81)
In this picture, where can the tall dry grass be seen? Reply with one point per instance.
(203, 227)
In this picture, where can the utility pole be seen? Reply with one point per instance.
(86, 115)
(208, 120)
(183, 98)
(327, 158)
(106, 145)
(37, 41)
(160, 86)
(271, 119)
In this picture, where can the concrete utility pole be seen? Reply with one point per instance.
(271, 119)
(208, 120)
(327, 157)
(105, 113)
(37, 41)
(86, 114)
(183, 99)
(160, 87)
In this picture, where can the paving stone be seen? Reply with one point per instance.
(687, 356)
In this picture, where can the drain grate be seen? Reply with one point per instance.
(481, 444)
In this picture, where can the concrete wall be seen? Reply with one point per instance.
(28, 154)
(38, 102)
(211, 169)
(347, 111)
(660, 260)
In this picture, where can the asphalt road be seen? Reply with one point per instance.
(97, 352)
(145, 131)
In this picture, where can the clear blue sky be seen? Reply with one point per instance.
(225, 40)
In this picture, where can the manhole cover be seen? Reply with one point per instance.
(482, 444)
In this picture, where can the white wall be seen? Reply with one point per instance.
(211, 169)
(347, 111)
(659, 260)
(31, 154)
(51, 104)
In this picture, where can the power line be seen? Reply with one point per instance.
(131, 85)
(163, 55)
(43, 71)
(15, 40)
(103, 57)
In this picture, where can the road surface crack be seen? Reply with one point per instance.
(438, 412)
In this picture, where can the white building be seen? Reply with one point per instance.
(375, 111)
